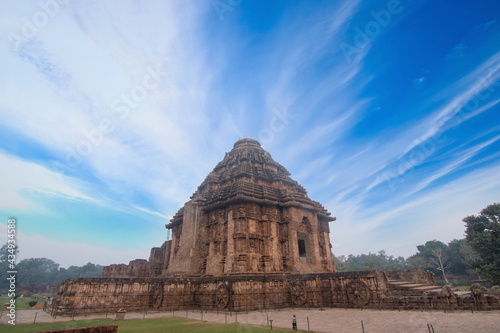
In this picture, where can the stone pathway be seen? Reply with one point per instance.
(328, 320)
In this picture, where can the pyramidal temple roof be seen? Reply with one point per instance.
(249, 173)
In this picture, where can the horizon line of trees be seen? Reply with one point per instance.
(477, 254)
(43, 271)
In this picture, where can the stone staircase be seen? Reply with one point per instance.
(399, 287)
(402, 294)
(417, 289)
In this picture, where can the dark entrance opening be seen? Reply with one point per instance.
(302, 248)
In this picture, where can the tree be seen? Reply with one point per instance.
(483, 235)
(433, 256)
(37, 271)
(340, 262)
(368, 262)
(417, 261)
(471, 258)
(88, 271)
(4, 264)
(456, 256)
(438, 257)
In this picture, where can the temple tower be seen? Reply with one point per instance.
(247, 217)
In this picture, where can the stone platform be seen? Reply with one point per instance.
(369, 289)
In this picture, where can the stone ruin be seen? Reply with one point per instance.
(251, 238)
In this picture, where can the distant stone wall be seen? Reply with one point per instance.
(92, 329)
(136, 268)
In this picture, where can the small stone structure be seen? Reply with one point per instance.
(91, 329)
(250, 238)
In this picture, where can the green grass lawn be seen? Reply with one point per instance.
(168, 324)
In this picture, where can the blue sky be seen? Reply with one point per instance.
(113, 112)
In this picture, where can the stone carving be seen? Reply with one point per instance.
(305, 226)
(156, 297)
(298, 293)
(338, 293)
(196, 291)
(444, 297)
(478, 294)
(222, 296)
(446, 291)
(475, 289)
(358, 293)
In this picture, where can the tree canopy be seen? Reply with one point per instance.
(442, 259)
(43, 271)
(368, 262)
(483, 235)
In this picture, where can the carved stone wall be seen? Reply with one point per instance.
(226, 293)
(266, 291)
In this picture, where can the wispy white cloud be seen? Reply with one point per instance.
(486, 75)
(22, 177)
(418, 82)
(465, 156)
(440, 120)
(110, 58)
(458, 51)
(313, 37)
(436, 214)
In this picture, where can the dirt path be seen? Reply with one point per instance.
(328, 320)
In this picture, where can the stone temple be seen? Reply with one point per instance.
(247, 217)
(251, 238)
